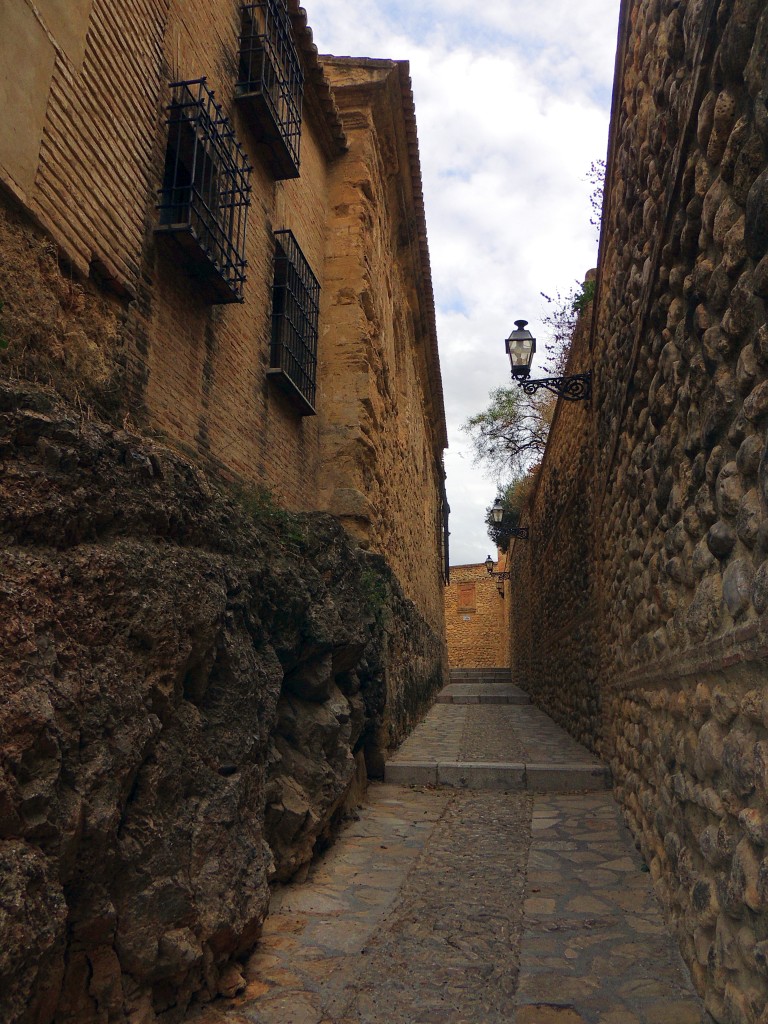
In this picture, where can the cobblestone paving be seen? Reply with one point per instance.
(489, 734)
(470, 693)
(544, 741)
(444, 906)
(449, 951)
(594, 945)
(438, 737)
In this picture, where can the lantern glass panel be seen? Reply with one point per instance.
(520, 352)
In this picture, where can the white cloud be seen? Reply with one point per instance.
(512, 108)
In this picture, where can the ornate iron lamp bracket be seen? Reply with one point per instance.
(575, 388)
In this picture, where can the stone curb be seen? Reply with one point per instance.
(540, 778)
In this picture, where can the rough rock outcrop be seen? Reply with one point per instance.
(190, 684)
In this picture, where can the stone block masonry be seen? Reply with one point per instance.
(475, 619)
(665, 474)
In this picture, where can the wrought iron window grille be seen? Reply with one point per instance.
(295, 314)
(270, 83)
(205, 194)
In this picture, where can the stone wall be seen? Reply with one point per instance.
(476, 618)
(382, 427)
(677, 507)
(552, 620)
(81, 165)
(200, 667)
(195, 372)
(194, 684)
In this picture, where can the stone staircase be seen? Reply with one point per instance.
(484, 733)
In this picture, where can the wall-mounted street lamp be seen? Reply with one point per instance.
(498, 511)
(521, 346)
(489, 564)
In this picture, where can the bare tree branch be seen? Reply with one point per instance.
(512, 432)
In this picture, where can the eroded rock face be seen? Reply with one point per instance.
(190, 685)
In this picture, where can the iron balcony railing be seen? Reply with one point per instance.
(295, 314)
(206, 189)
(270, 83)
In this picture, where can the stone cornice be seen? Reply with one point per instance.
(318, 95)
(393, 77)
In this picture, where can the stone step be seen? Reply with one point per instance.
(482, 693)
(538, 778)
(480, 675)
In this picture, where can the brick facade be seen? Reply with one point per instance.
(81, 163)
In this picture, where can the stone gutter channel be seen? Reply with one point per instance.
(473, 901)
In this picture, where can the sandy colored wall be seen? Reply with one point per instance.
(476, 619)
(122, 328)
(194, 372)
(381, 445)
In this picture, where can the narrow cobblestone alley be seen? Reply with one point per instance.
(509, 893)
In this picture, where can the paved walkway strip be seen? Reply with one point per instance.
(594, 946)
(493, 745)
(470, 906)
(482, 693)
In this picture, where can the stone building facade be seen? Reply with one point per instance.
(650, 518)
(476, 618)
(88, 150)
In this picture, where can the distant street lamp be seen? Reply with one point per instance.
(521, 346)
(489, 564)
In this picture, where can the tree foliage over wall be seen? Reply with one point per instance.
(514, 497)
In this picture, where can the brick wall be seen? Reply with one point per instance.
(81, 162)
(476, 619)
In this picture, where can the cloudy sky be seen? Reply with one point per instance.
(512, 106)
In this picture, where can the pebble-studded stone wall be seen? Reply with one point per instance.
(476, 618)
(677, 478)
(552, 623)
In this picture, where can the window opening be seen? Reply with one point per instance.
(295, 314)
(466, 598)
(205, 193)
(270, 83)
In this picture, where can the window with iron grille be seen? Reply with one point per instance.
(270, 83)
(295, 309)
(206, 192)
